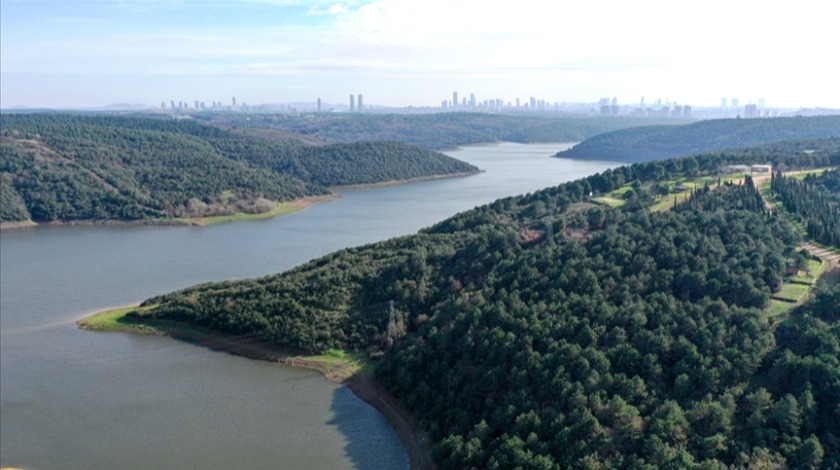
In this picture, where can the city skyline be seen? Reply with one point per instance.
(76, 54)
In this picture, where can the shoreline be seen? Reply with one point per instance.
(282, 208)
(337, 368)
(418, 179)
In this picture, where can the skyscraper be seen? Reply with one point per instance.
(352, 103)
(454, 99)
(319, 105)
(361, 103)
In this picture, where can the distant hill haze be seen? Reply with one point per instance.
(638, 144)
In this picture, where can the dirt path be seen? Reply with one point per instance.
(831, 257)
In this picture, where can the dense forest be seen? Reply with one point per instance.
(640, 144)
(66, 167)
(815, 202)
(544, 331)
(432, 131)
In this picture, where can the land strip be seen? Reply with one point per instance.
(337, 366)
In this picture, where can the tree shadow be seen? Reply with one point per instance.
(371, 442)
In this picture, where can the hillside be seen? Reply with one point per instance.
(544, 331)
(639, 144)
(431, 131)
(66, 167)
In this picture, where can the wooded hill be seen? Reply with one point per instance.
(432, 131)
(640, 144)
(544, 331)
(70, 167)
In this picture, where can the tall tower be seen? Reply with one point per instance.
(454, 99)
(319, 105)
(233, 102)
(352, 103)
(361, 103)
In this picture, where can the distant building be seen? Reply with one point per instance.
(737, 169)
(352, 103)
(454, 99)
(751, 111)
(748, 169)
(361, 103)
(319, 105)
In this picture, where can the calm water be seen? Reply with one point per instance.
(77, 399)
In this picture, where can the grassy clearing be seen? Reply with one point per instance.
(337, 365)
(608, 201)
(115, 320)
(778, 308)
(792, 292)
(281, 208)
(813, 272)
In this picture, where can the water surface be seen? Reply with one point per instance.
(79, 399)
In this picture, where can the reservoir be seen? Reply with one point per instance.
(80, 399)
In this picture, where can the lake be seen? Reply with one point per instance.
(78, 399)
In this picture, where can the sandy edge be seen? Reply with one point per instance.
(295, 205)
(362, 384)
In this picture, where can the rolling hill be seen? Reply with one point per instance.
(70, 167)
(645, 143)
(545, 331)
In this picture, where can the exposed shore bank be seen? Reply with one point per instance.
(282, 208)
(419, 179)
(337, 366)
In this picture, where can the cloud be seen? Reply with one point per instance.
(334, 9)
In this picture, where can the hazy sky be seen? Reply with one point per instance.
(66, 53)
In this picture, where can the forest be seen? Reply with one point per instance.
(71, 167)
(646, 143)
(815, 202)
(438, 131)
(545, 331)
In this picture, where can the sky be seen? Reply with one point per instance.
(75, 54)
